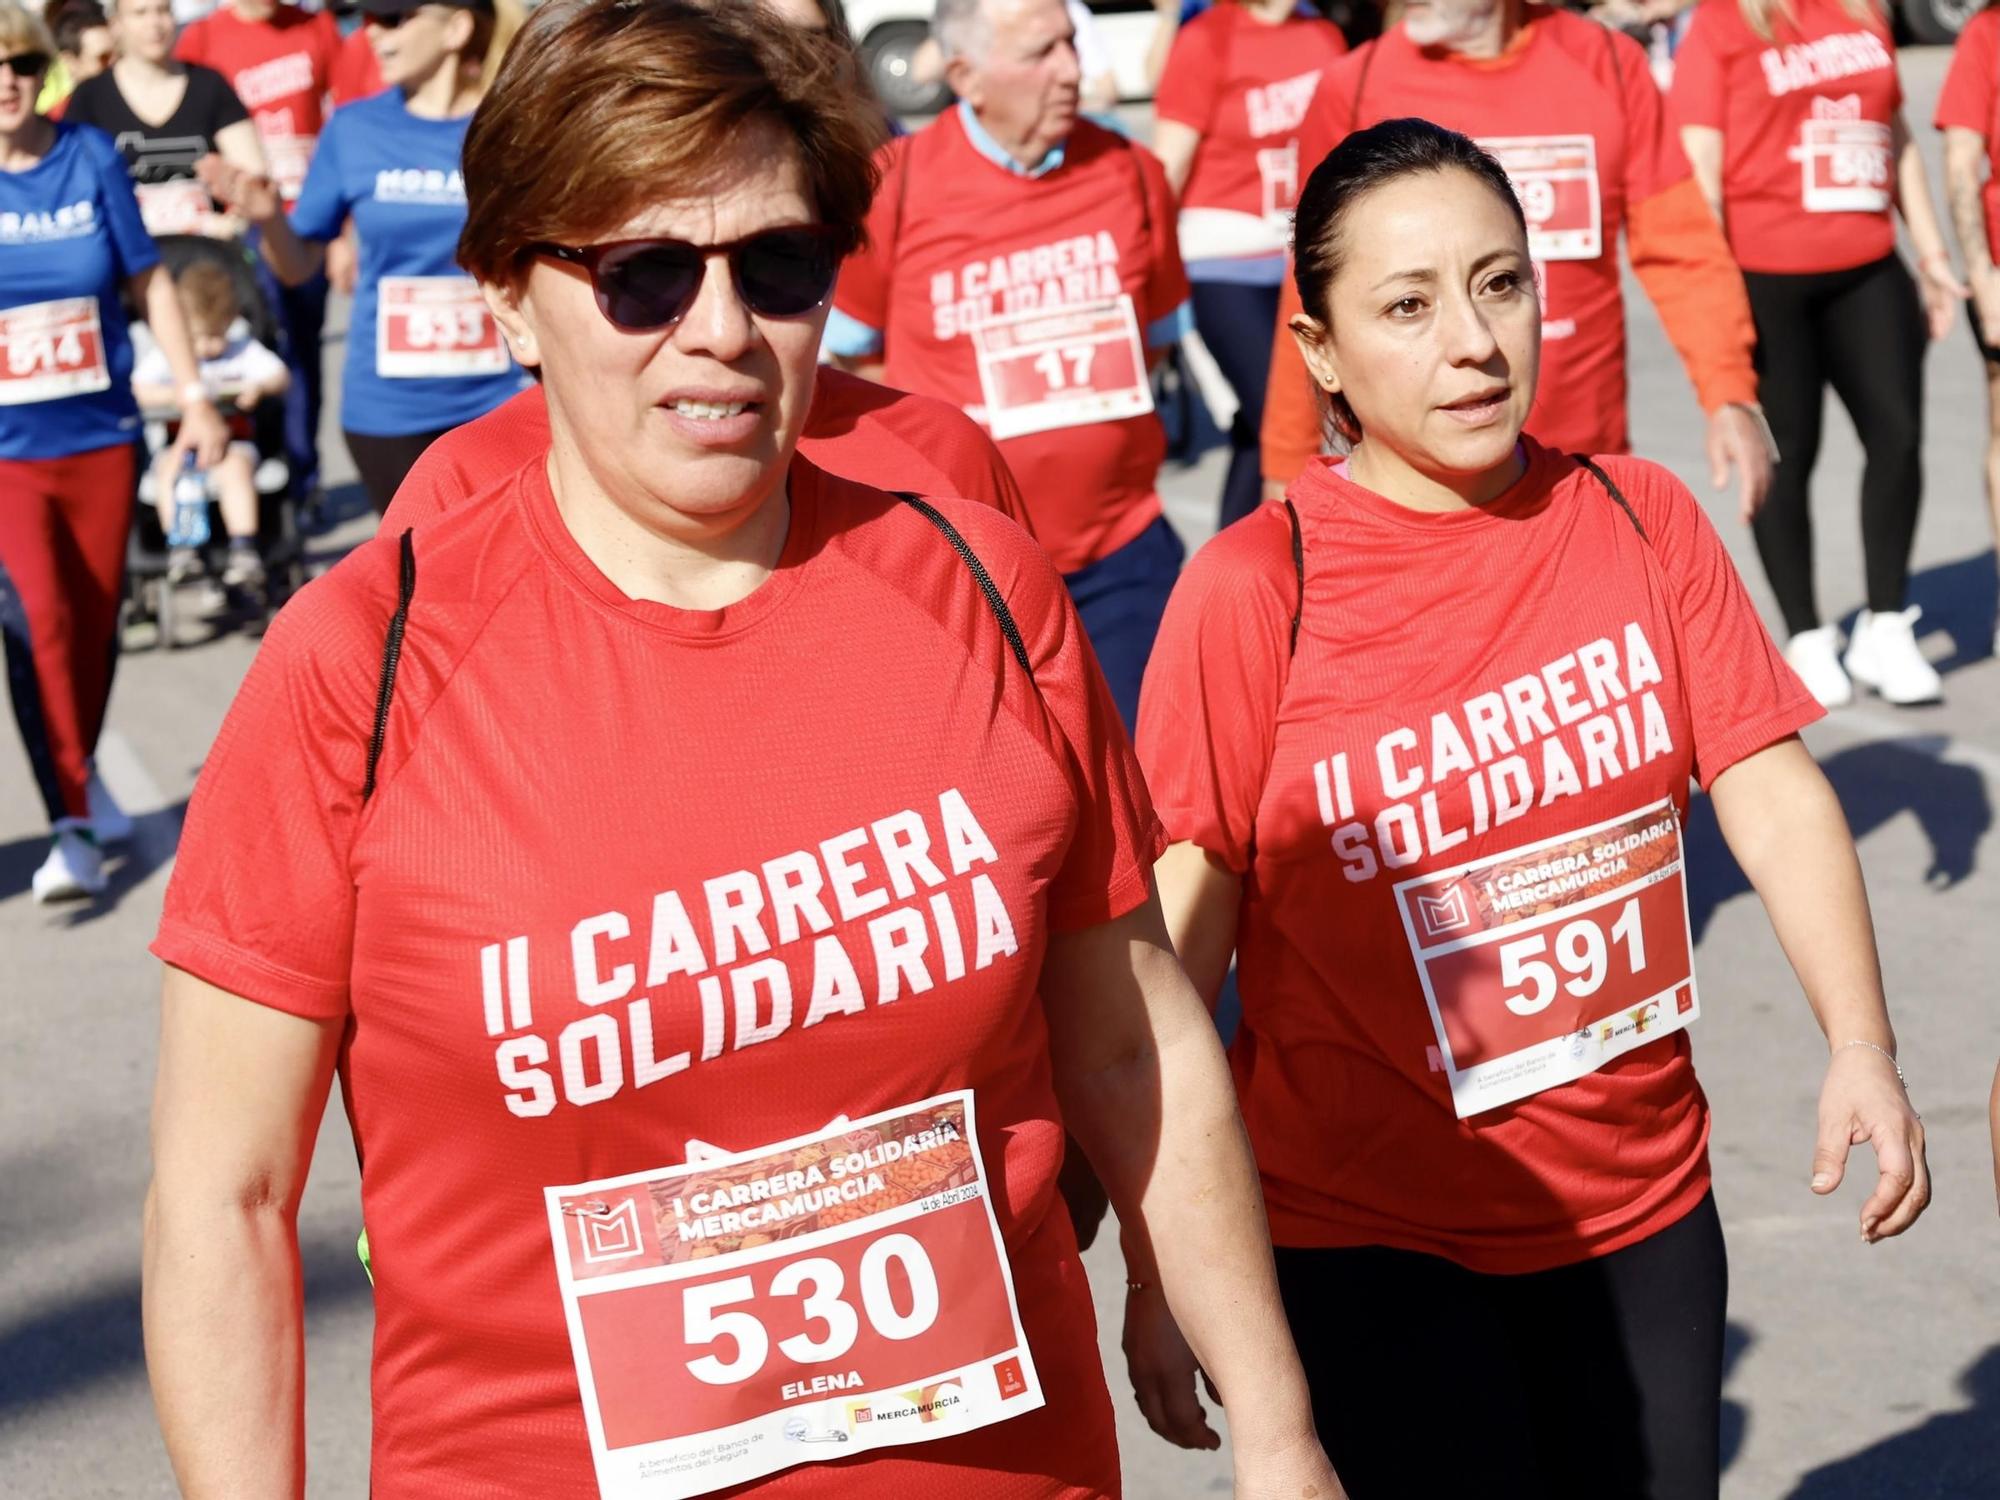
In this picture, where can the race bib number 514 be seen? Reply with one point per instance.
(814, 1299)
(51, 349)
(1542, 964)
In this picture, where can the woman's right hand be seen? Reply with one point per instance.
(251, 194)
(1162, 1369)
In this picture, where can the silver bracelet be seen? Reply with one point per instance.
(1857, 1042)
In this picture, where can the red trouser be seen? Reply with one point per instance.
(63, 523)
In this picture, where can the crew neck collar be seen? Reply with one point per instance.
(698, 626)
(1326, 481)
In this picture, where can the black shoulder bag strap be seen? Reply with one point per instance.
(1616, 494)
(987, 587)
(392, 656)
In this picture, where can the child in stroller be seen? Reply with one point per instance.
(240, 373)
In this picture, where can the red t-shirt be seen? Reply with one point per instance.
(957, 243)
(855, 428)
(1970, 100)
(1572, 111)
(282, 69)
(1465, 685)
(841, 787)
(1808, 175)
(357, 72)
(1245, 86)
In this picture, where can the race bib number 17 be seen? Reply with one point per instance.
(828, 1295)
(1067, 367)
(1542, 964)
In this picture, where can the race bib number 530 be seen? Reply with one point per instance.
(838, 1292)
(1543, 963)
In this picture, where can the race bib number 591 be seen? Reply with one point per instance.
(1542, 964)
(814, 1299)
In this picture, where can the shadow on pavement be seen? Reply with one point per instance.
(1875, 782)
(155, 836)
(66, 1346)
(1952, 1456)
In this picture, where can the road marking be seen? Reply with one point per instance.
(154, 838)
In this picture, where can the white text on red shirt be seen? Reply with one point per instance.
(1062, 273)
(1803, 64)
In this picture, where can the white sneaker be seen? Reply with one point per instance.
(1815, 656)
(1882, 654)
(110, 822)
(73, 870)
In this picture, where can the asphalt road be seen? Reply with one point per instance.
(1856, 1373)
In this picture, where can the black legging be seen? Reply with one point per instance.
(1862, 332)
(384, 462)
(1237, 324)
(1590, 1381)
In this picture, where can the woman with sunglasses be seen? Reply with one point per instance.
(707, 875)
(423, 353)
(72, 249)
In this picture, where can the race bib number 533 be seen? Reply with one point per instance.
(834, 1293)
(1543, 963)
(435, 326)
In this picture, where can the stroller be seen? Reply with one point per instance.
(149, 594)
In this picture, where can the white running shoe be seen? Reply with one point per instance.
(73, 870)
(110, 822)
(1815, 656)
(1882, 654)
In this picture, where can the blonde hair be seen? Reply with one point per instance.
(1762, 16)
(21, 30)
(492, 35)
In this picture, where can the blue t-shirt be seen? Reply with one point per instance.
(437, 358)
(70, 237)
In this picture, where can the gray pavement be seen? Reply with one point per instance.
(1856, 1373)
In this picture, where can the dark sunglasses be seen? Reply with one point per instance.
(26, 64)
(642, 285)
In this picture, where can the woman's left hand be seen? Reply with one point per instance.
(1942, 291)
(202, 433)
(1863, 1099)
(1294, 1471)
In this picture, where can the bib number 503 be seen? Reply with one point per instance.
(712, 1310)
(1582, 952)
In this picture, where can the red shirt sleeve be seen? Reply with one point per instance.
(1193, 77)
(1966, 100)
(262, 899)
(1208, 715)
(863, 289)
(193, 44)
(1108, 868)
(1167, 285)
(1742, 697)
(1699, 68)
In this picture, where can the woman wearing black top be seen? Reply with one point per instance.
(165, 116)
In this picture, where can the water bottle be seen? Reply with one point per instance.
(190, 527)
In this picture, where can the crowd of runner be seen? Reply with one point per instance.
(760, 832)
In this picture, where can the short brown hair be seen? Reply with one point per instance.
(603, 107)
(208, 294)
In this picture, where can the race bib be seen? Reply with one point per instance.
(288, 157)
(178, 207)
(1844, 166)
(430, 326)
(1555, 177)
(51, 349)
(1278, 171)
(1542, 964)
(839, 1292)
(1069, 367)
